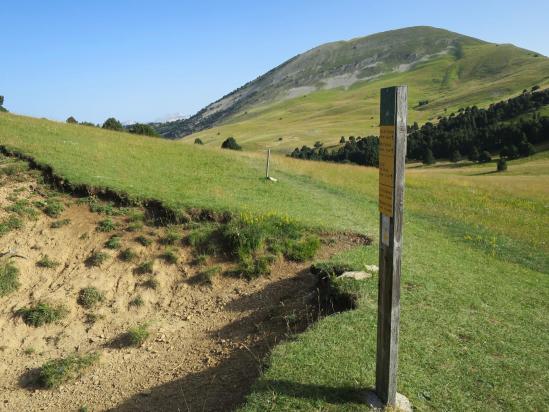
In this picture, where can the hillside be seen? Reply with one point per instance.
(474, 280)
(332, 90)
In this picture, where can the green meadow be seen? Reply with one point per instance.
(475, 291)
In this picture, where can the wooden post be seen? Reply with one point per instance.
(392, 155)
(268, 163)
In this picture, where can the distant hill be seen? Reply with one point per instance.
(332, 89)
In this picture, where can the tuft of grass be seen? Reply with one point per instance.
(137, 302)
(128, 255)
(14, 168)
(170, 256)
(89, 297)
(151, 283)
(114, 242)
(91, 318)
(171, 236)
(200, 259)
(23, 208)
(29, 351)
(46, 262)
(137, 335)
(60, 223)
(143, 240)
(42, 313)
(207, 275)
(10, 223)
(303, 249)
(9, 278)
(134, 226)
(96, 259)
(145, 267)
(52, 207)
(251, 268)
(57, 371)
(106, 225)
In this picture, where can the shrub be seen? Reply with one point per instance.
(72, 120)
(302, 250)
(138, 335)
(46, 262)
(89, 297)
(230, 143)
(106, 225)
(428, 157)
(143, 129)
(474, 154)
(55, 372)
(170, 256)
(485, 157)
(456, 156)
(9, 278)
(114, 242)
(143, 240)
(127, 255)
(137, 302)
(145, 267)
(502, 165)
(330, 269)
(53, 207)
(60, 223)
(151, 283)
(112, 124)
(96, 259)
(42, 313)
(198, 140)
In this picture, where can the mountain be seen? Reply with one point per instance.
(332, 90)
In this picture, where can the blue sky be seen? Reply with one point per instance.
(141, 60)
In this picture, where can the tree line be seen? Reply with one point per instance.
(472, 133)
(113, 124)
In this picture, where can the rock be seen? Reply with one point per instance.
(356, 275)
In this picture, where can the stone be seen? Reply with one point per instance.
(402, 403)
(356, 275)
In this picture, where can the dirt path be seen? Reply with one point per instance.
(207, 342)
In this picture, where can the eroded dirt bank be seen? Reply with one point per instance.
(207, 340)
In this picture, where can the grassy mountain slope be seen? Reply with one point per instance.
(474, 275)
(487, 73)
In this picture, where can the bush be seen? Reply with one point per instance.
(42, 313)
(502, 165)
(143, 240)
(127, 255)
(89, 297)
(112, 124)
(485, 157)
(72, 120)
(9, 278)
(114, 242)
(428, 158)
(60, 223)
(198, 140)
(106, 225)
(474, 154)
(456, 156)
(145, 267)
(302, 250)
(230, 143)
(96, 259)
(137, 336)
(55, 372)
(46, 262)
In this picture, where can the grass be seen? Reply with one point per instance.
(151, 283)
(170, 256)
(145, 267)
(128, 255)
(42, 314)
(137, 335)
(96, 259)
(58, 371)
(23, 208)
(10, 223)
(106, 225)
(90, 297)
(171, 236)
(137, 302)
(143, 240)
(51, 207)
(60, 223)
(46, 262)
(9, 278)
(114, 242)
(207, 275)
(475, 261)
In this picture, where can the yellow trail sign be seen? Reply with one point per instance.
(386, 169)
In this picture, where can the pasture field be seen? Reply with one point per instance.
(476, 258)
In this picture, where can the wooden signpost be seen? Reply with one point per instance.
(392, 155)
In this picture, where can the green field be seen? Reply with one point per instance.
(486, 74)
(476, 258)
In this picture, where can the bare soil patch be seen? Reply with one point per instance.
(207, 343)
